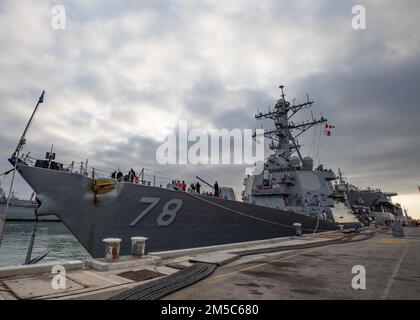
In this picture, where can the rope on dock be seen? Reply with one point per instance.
(163, 286)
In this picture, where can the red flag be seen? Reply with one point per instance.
(327, 130)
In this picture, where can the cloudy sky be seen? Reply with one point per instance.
(120, 77)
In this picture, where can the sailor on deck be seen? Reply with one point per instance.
(216, 190)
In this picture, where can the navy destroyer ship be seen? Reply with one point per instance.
(287, 191)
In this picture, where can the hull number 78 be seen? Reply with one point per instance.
(168, 214)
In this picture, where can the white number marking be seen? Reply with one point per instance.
(153, 202)
(166, 217)
(163, 219)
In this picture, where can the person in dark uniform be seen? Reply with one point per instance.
(114, 174)
(197, 187)
(216, 190)
(131, 174)
(119, 175)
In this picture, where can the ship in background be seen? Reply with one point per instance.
(20, 209)
(371, 204)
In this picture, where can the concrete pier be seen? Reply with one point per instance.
(392, 272)
(391, 266)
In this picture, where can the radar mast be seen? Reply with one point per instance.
(283, 137)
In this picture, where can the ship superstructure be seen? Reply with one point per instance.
(289, 181)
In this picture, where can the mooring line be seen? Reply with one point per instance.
(250, 216)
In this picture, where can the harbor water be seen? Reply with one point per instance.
(52, 237)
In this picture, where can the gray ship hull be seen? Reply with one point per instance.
(169, 219)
